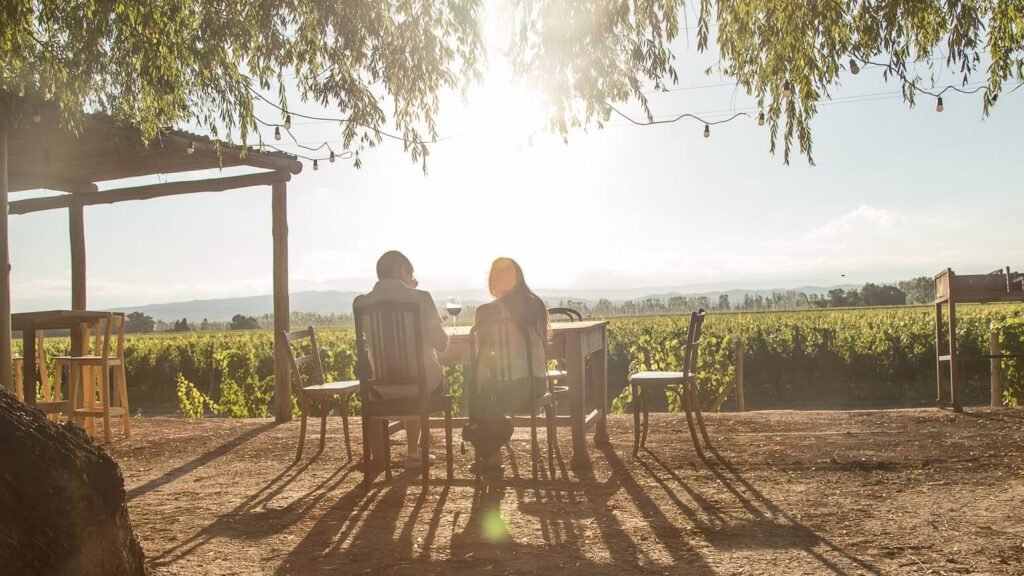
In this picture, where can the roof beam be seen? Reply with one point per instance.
(252, 157)
(149, 191)
(28, 181)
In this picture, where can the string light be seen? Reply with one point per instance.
(191, 147)
(332, 156)
(316, 166)
(288, 122)
(707, 131)
(787, 90)
(854, 68)
(938, 104)
(760, 118)
(277, 132)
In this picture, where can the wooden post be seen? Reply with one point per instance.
(940, 394)
(282, 375)
(954, 385)
(995, 350)
(76, 229)
(741, 403)
(6, 364)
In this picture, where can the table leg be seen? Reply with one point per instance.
(28, 343)
(954, 385)
(574, 367)
(940, 396)
(599, 372)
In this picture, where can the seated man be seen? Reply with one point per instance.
(396, 283)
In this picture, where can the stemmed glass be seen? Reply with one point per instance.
(453, 307)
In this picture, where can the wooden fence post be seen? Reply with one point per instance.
(741, 405)
(997, 369)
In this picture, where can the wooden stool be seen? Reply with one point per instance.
(90, 371)
(49, 395)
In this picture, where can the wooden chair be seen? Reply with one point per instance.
(683, 384)
(314, 388)
(48, 394)
(492, 342)
(390, 366)
(557, 376)
(91, 371)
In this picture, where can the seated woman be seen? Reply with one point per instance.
(506, 389)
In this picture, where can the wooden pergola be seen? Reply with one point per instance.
(42, 155)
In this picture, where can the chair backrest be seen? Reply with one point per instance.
(500, 356)
(693, 335)
(310, 356)
(99, 336)
(571, 314)
(389, 346)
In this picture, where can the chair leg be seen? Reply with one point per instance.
(19, 378)
(88, 383)
(534, 443)
(105, 401)
(549, 414)
(695, 402)
(425, 447)
(122, 388)
(684, 398)
(448, 447)
(647, 414)
(635, 392)
(304, 408)
(73, 394)
(325, 407)
(344, 425)
(387, 449)
(364, 423)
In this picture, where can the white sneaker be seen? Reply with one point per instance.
(414, 461)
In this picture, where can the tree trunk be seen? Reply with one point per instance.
(62, 500)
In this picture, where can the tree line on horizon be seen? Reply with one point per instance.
(920, 290)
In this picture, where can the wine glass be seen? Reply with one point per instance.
(453, 306)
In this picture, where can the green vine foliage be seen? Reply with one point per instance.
(829, 358)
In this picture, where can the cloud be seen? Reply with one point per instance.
(862, 222)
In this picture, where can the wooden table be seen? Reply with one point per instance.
(572, 342)
(29, 323)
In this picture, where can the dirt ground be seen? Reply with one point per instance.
(861, 492)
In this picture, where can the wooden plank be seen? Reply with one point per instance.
(252, 157)
(954, 384)
(20, 181)
(996, 366)
(940, 396)
(149, 191)
(282, 368)
(76, 232)
(6, 363)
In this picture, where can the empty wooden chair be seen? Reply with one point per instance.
(500, 361)
(91, 376)
(49, 394)
(683, 384)
(313, 388)
(391, 351)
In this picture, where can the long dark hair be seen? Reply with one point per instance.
(521, 303)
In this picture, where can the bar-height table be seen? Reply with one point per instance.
(29, 323)
(573, 342)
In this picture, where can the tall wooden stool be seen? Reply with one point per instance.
(90, 370)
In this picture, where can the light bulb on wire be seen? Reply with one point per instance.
(316, 166)
(787, 90)
(191, 148)
(288, 122)
(707, 131)
(938, 105)
(760, 119)
(277, 132)
(854, 68)
(332, 157)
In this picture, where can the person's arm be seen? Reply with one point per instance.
(433, 326)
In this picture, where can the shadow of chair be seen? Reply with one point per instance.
(393, 383)
(683, 384)
(314, 388)
(500, 375)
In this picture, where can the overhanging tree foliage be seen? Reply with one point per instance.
(383, 64)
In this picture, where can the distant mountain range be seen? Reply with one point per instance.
(339, 302)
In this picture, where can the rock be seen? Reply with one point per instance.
(63, 508)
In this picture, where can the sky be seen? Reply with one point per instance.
(895, 193)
